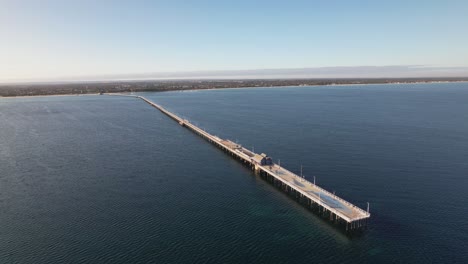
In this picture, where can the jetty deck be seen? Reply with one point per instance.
(335, 207)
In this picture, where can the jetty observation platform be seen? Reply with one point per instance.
(336, 208)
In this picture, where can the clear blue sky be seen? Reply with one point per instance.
(51, 39)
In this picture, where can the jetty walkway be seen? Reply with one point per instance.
(308, 193)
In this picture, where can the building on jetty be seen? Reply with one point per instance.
(262, 159)
(307, 193)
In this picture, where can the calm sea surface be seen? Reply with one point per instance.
(110, 179)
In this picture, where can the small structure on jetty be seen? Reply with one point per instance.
(262, 159)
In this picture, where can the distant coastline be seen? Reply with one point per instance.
(90, 88)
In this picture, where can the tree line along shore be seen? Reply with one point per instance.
(35, 89)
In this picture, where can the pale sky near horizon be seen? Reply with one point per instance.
(49, 40)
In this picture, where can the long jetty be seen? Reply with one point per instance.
(307, 193)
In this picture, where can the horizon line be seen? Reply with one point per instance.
(329, 72)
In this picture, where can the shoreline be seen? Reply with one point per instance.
(247, 87)
(49, 95)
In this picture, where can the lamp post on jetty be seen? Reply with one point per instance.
(302, 175)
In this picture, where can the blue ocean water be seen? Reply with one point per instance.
(87, 179)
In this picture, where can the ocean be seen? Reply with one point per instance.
(104, 179)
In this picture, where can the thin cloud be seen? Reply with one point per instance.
(391, 71)
(397, 71)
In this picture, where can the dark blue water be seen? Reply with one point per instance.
(111, 179)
